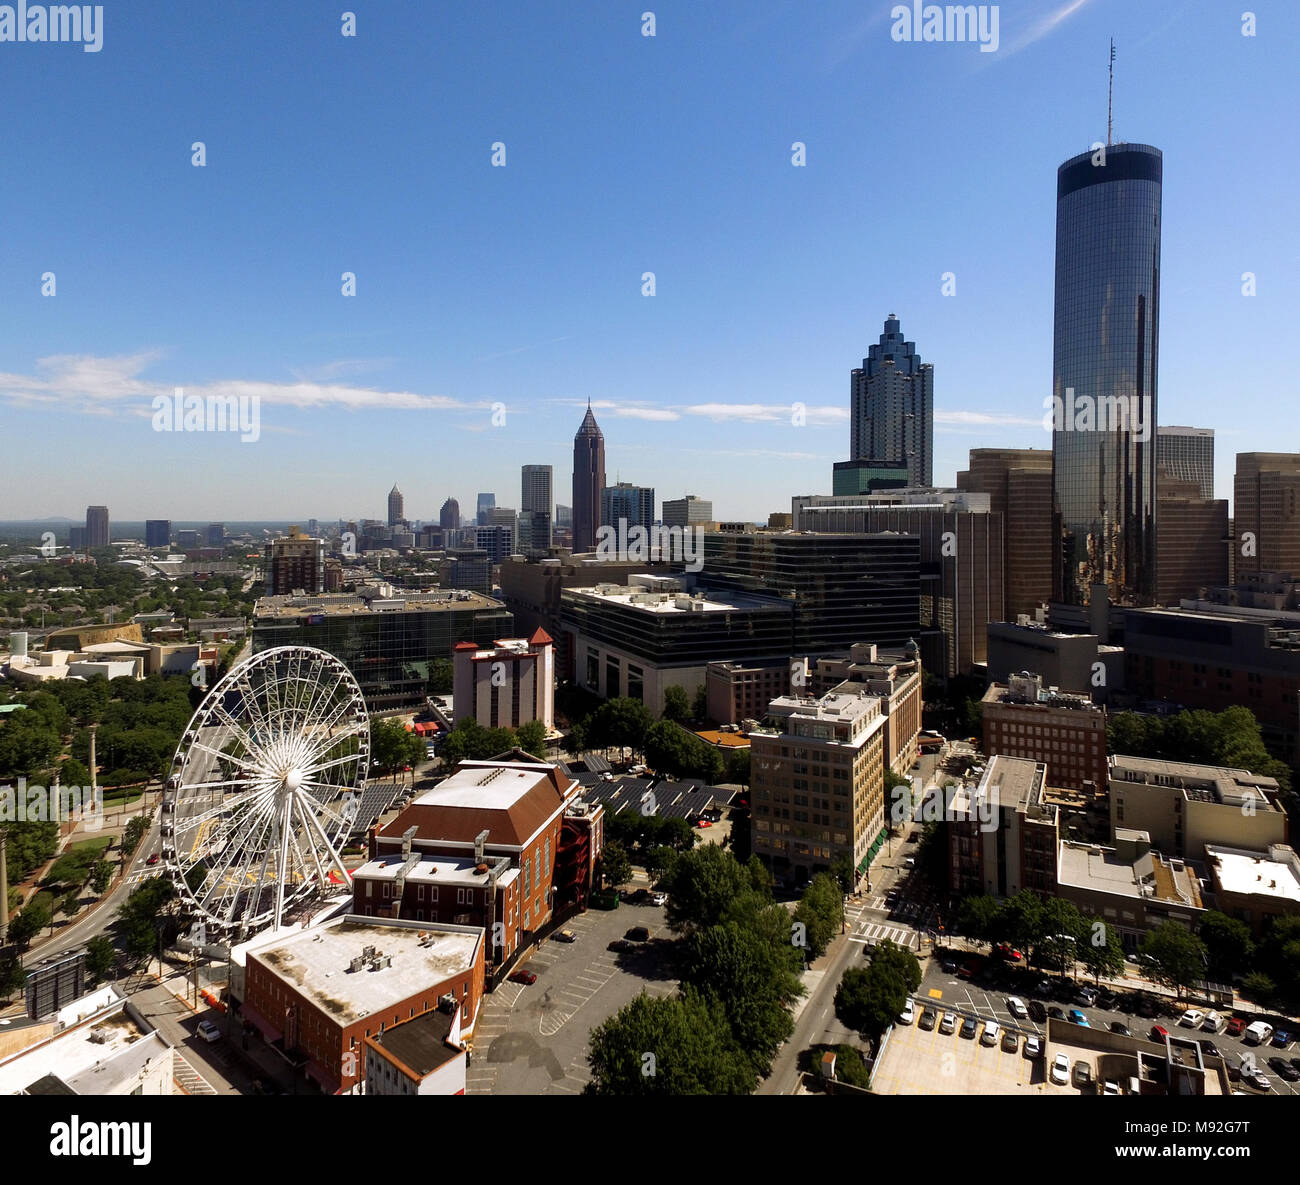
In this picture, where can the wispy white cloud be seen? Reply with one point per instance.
(973, 419)
(766, 413)
(1043, 27)
(523, 349)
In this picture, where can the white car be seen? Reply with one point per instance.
(209, 1032)
(1191, 1018)
(1212, 1023)
(659, 898)
(1061, 1070)
(1111, 1087)
(992, 1031)
(1033, 1047)
(1016, 1006)
(1257, 1033)
(908, 1014)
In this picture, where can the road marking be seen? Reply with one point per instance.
(188, 1078)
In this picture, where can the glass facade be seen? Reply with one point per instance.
(892, 407)
(1107, 320)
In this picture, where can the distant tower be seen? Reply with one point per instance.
(892, 412)
(449, 515)
(396, 515)
(535, 517)
(588, 482)
(96, 526)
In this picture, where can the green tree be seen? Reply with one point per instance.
(849, 1067)
(531, 737)
(1101, 950)
(976, 917)
(668, 1046)
(659, 861)
(1228, 945)
(700, 703)
(821, 912)
(843, 872)
(869, 999)
(1279, 954)
(393, 747)
(1020, 921)
(677, 706)
(138, 916)
(1176, 956)
(701, 885)
(615, 865)
(101, 876)
(441, 676)
(1062, 932)
(100, 956)
(36, 915)
(132, 834)
(70, 904)
(12, 975)
(737, 767)
(621, 722)
(1259, 987)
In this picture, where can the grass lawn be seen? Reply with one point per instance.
(95, 846)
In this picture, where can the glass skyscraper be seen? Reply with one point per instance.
(1106, 342)
(891, 417)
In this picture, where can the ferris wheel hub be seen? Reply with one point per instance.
(292, 779)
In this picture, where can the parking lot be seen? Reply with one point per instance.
(532, 1039)
(983, 996)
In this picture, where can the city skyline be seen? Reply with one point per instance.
(712, 364)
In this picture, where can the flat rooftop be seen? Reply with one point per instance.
(420, 1045)
(1256, 873)
(675, 604)
(1205, 783)
(431, 870)
(290, 608)
(316, 962)
(1148, 876)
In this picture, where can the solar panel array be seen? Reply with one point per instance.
(376, 798)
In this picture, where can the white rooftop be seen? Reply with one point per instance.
(1258, 873)
(494, 787)
(439, 870)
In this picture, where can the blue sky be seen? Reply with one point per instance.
(521, 285)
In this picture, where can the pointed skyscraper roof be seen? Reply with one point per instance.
(589, 426)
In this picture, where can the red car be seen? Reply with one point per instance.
(1006, 951)
(704, 823)
(525, 977)
(1158, 1033)
(152, 859)
(1236, 1026)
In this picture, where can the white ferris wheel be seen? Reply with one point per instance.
(264, 787)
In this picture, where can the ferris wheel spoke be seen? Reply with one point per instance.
(239, 761)
(322, 748)
(337, 761)
(250, 745)
(251, 699)
(335, 858)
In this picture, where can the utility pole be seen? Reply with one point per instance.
(4, 889)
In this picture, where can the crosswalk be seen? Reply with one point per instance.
(878, 932)
(187, 1078)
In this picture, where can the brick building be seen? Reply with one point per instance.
(1066, 732)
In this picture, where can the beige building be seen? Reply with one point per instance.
(507, 684)
(1067, 732)
(742, 690)
(1183, 807)
(1002, 832)
(1255, 886)
(817, 776)
(895, 676)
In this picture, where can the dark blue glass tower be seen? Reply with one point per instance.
(1107, 329)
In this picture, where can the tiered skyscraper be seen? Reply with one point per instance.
(396, 514)
(1106, 342)
(588, 482)
(892, 413)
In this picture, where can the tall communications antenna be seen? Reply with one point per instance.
(1110, 91)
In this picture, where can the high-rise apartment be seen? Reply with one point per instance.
(689, 511)
(1193, 547)
(588, 481)
(1188, 455)
(295, 563)
(1105, 349)
(623, 500)
(892, 406)
(1266, 513)
(486, 503)
(96, 526)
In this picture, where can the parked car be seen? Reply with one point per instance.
(928, 1019)
(566, 936)
(1281, 1039)
(1209, 1048)
(992, 1031)
(948, 1025)
(1111, 1087)
(908, 1014)
(1004, 950)
(1056, 1012)
(1236, 1026)
(1066, 990)
(1158, 1033)
(949, 966)
(1016, 1006)
(1060, 1069)
(1077, 1018)
(620, 945)
(153, 860)
(1033, 1046)
(1257, 1032)
(1191, 1018)
(968, 1027)
(1144, 1006)
(1284, 1069)
(638, 934)
(1044, 987)
(1122, 1029)
(658, 898)
(1087, 996)
(1258, 1080)
(209, 1032)
(1212, 1023)
(1107, 999)
(1037, 1011)
(969, 969)
(525, 977)
(1010, 1039)
(1082, 1074)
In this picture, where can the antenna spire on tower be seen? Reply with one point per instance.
(1110, 92)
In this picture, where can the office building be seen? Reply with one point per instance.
(535, 509)
(449, 515)
(389, 642)
(1018, 483)
(817, 777)
(867, 475)
(157, 532)
(689, 511)
(740, 689)
(1266, 513)
(1255, 886)
(1193, 547)
(469, 568)
(216, 534)
(1003, 831)
(1066, 733)
(588, 481)
(563, 516)
(485, 504)
(961, 553)
(1188, 455)
(1105, 347)
(843, 588)
(640, 638)
(624, 501)
(892, 406)
(1078, 663)
(893, 676)
(1183, 806)
(77, 538)
(497, 540)
(507, 684)
(295, 563)
(96, 527)
(396, 507)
